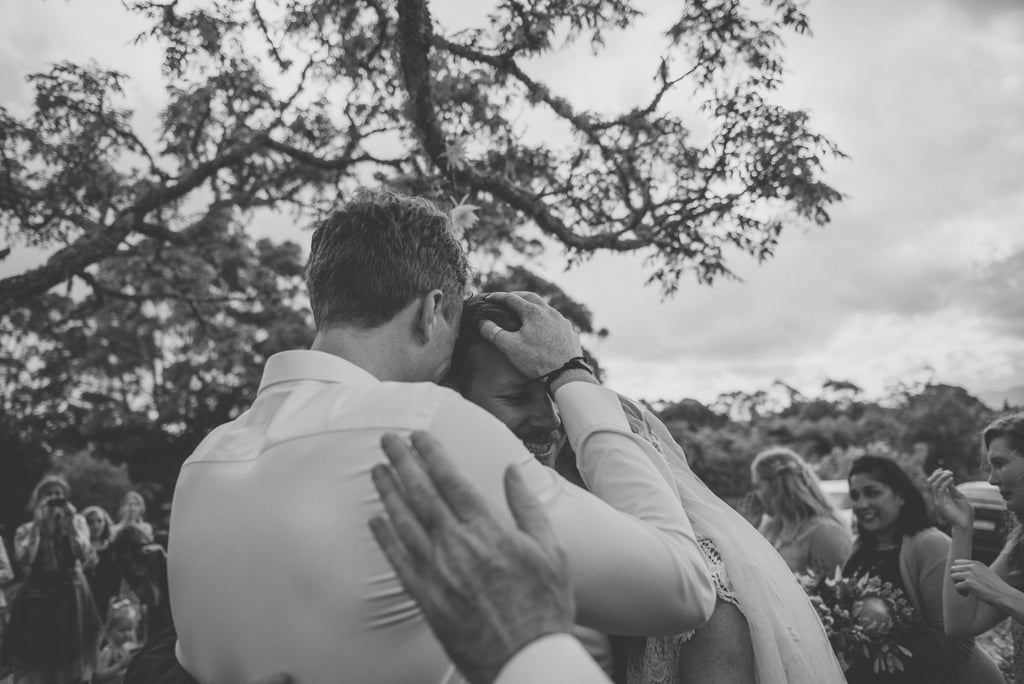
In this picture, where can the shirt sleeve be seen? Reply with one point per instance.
(636, 567)
(555, 658)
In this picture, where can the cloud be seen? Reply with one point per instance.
(919, 266)
(997, 294)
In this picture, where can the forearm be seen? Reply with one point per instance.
(572, 375)
(660, 562)
(630, 576)
(964, 615)
(1012, 603)
(958, 610)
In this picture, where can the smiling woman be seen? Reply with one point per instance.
(486, 377)
(898, 544)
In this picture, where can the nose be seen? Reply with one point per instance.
(993, 478)
(545, 416)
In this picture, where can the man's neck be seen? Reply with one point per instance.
(375, 350)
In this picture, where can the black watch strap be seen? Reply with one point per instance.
(575, 363)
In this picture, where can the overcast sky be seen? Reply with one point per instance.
(919, 276)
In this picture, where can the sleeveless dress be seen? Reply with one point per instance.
(884, 564)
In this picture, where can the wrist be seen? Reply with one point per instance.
(567, 376)
(528, 644)
(575, 363)
(1009, 602)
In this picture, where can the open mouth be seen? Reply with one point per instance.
(867, 517)
(541, 450)
(542, 446)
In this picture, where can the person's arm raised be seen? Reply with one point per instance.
(963, 613)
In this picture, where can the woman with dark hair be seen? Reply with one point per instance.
(897, 543)
(763, 628)
(977, 597)
(54, 630)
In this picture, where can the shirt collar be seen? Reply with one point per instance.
(308, 364)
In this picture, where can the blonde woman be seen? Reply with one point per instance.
(800, 522)
(133, 510)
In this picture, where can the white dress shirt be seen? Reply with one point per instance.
(272, 566)
(554, 659)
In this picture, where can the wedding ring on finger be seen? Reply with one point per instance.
(494, 335)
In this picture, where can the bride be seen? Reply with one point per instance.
(763, 629)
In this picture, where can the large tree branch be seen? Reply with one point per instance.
(94, 246)
(415, 38)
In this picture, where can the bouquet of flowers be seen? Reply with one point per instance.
(863, 617)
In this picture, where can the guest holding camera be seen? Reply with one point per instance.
(54, 630)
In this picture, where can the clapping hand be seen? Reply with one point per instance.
(486, 587)
(973, 578)
(545, 341)
(950, 502)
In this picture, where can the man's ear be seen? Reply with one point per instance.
(431, 311)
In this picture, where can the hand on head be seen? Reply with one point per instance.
(545, 341)
(486, 587)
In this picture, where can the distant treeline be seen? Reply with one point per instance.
(923, 427)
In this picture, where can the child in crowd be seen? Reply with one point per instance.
(119, 643)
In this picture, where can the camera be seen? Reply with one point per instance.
(57, 502)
